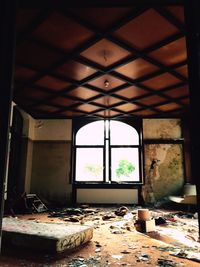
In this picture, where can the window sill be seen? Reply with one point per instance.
(107, 185)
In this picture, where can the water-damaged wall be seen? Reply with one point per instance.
(157, 129)
(51, 170)
(51, 160)
(46, 158)
(163, 157)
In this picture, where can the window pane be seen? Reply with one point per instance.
(89, 164)
(107, 160)
(107, 128)
(123, 134)
(91, 134)
(124, 164)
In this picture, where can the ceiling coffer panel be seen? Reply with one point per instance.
(103, 62)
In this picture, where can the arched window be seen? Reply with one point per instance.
(107, 151)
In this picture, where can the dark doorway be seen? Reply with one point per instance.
(13, 185)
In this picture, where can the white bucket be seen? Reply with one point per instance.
(189, 190)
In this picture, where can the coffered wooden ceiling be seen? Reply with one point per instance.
(104, 62)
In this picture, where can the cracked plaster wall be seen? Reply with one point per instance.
(163, 162)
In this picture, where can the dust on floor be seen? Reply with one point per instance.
(116, 241)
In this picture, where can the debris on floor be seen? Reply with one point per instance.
(159, 221)
(82, 262)
(143, 257)
(109, 216)
(24, 204)
(116, 226)
(166, 263)
(120, 227)
(121, 211)
(187, 254)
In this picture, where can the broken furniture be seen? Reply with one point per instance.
(144, 222)
(189, 196)
(35, 203)
(48, 237)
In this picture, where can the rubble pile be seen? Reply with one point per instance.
(122, 221)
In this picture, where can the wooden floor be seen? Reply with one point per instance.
(115, 243)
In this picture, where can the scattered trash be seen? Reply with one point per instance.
(84, 206)
(66, 212)
(89, 211)
(191, 255)
(145, 226)
(117, 231)
(72, 219)
(97, 244)
(82, 221)
(125, 252)
(182, 214)
(119, 227)
(117, 257)
(128, 216)
(172, 219)
(192, 238)
(160, 220)
(82, 262)
(143, 257)
(195, 216)
(166, 263)
(121, 211)
(108, 217)
(24, 204)
(35, 203)
(128, 219)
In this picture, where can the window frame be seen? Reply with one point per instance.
(77, 124)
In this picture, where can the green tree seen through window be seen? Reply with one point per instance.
(94, 169)
(125, 168)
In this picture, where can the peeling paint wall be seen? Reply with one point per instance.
(165, 176)
(164, 166)
(47, 157)
(162, 129)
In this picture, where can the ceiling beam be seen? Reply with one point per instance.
(171, 18)
(43, 15)
(97, 3)
(84, 46)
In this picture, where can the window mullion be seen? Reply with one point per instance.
(109, 154)
(90, 146)
(104, 154)
(112, 151)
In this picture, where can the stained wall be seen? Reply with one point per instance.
(163, 159)
(46, 160)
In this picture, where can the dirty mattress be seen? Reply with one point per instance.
(49, 237)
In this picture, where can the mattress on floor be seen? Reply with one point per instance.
(49, 237)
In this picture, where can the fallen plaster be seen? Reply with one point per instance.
(115, 240)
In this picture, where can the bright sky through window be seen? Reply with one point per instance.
(107, 151)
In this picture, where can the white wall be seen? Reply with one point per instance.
(28, 126)
(107, 196)
(48, 158)
(53, 130)
(51, 139)
(46, 130)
